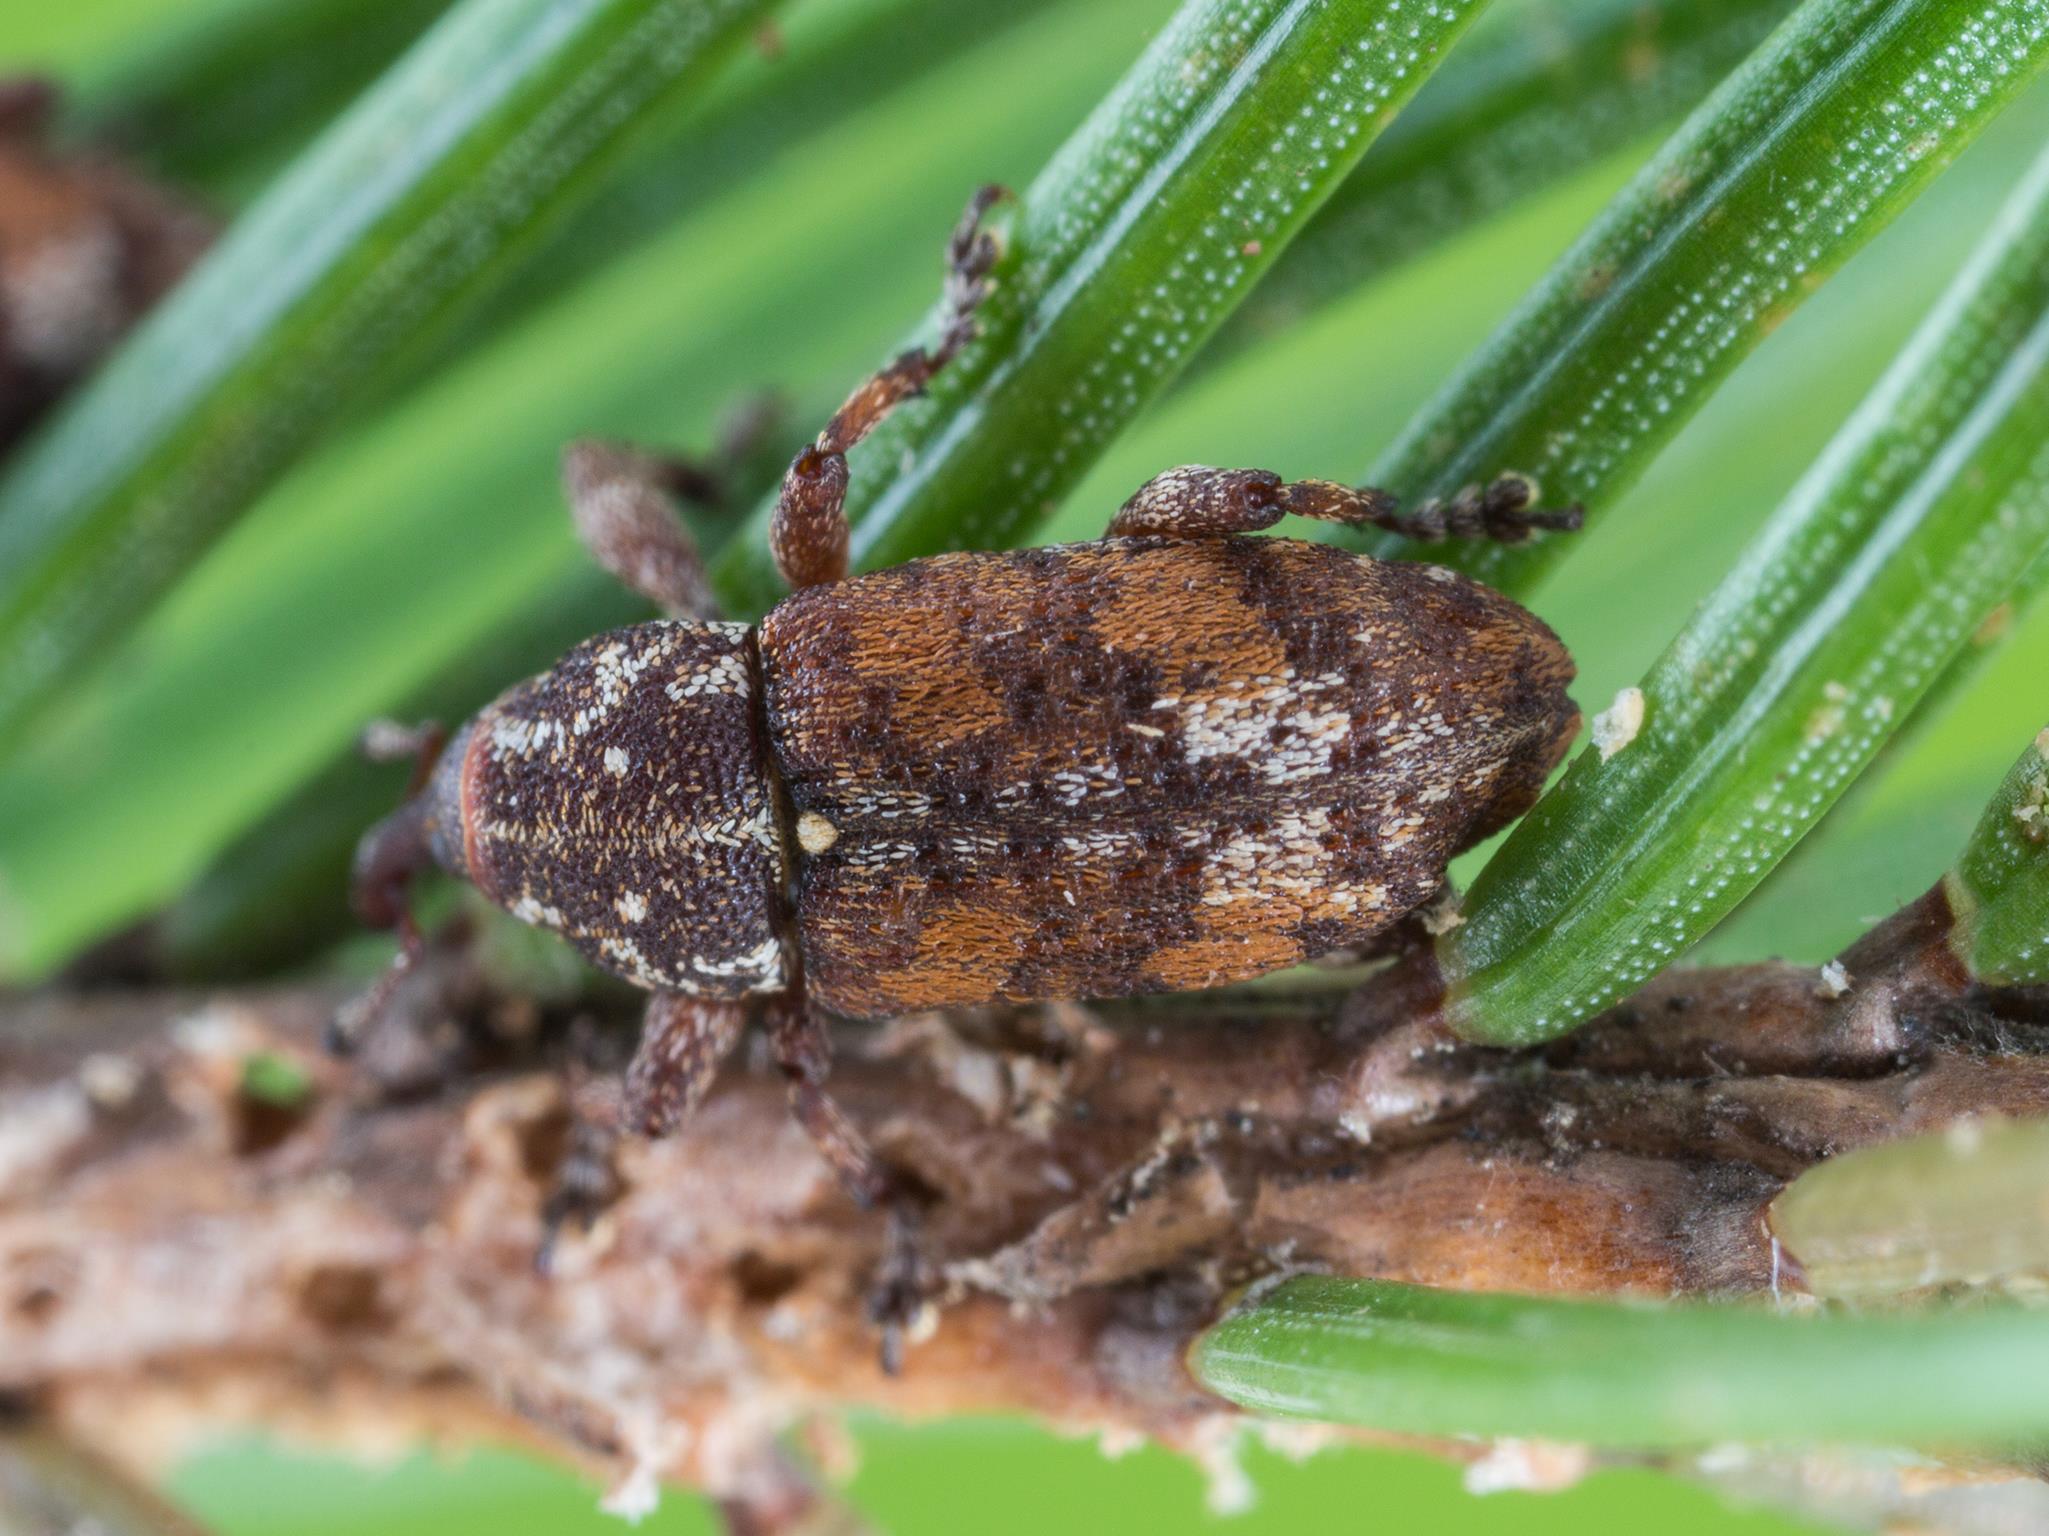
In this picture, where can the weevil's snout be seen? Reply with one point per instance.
(426, 830)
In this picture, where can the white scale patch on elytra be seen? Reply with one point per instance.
(857, 802)
(1288, 859)
(1240, 720)
(874, 855)
(1099, 844)
(1071, 786)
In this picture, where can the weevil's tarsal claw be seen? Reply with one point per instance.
(1507, 511)
(900, 1300)
(808, 533)
(622, 503)
(1500, 510)
(683, 1041)
(971, 254)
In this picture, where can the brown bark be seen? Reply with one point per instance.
(176, 1249)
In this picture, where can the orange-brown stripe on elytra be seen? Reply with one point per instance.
(969, 949)
(1193, 631)
(911, 672)
(1217, 958)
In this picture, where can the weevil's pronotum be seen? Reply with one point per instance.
(1170, 758)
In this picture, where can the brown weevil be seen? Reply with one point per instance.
(1171, 758)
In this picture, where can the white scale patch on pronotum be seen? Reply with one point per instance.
(619, 801)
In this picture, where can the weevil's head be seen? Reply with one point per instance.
(621, 799)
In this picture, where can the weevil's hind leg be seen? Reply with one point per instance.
(1196, 501)
(808, 534)
(683, 1042)
(621, 500)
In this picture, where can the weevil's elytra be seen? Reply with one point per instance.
(1170, 758)
(1139, 764)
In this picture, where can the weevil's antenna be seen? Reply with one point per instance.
(388, 858)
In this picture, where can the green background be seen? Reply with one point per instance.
(1318, 401)
(988, 1477)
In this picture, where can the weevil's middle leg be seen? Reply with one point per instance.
(803, 1051)
(808, 535)
(903, 1282)
(683, 1042)
(1196, 501)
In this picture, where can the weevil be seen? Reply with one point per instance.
(1171, 758)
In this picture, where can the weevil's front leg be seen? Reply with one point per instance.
(1197, 501)
(621, 500)
(683, 1041)
(808, 534)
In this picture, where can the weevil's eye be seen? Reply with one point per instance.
(442, 797)
(427, 829)
(1258, 487)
